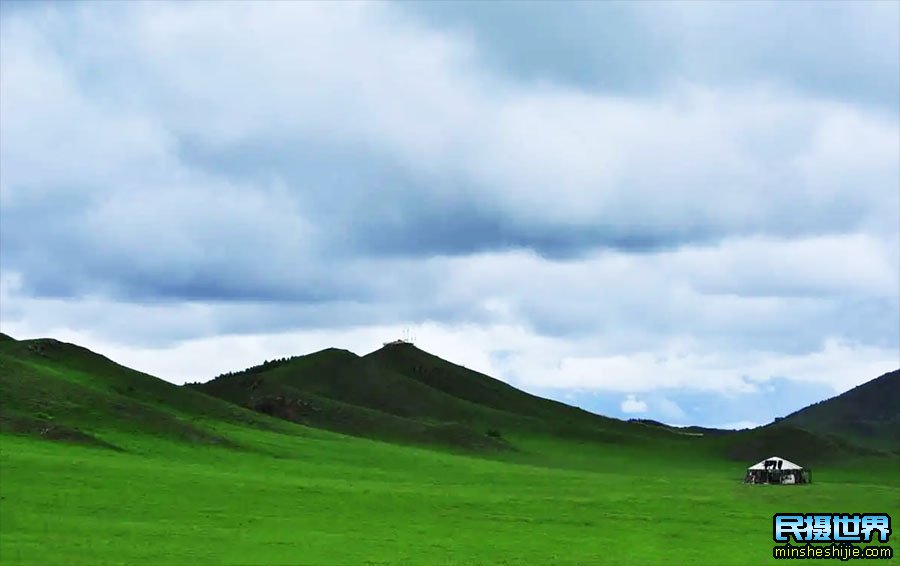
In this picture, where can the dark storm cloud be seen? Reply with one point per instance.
(382, 205)
(379, 207)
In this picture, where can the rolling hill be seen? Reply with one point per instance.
(402, 393)
(61, 391)
(152, 473)
(340, 391)
(475, 387)
(862, 422)
(398, 393)
(867, 415)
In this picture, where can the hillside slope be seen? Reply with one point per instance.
(401, 393)
(461, 382)
(338, 390)
(862, 422)
(61, 391)
(464, 383)
(868, 415)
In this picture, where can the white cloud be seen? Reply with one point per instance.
(690, 162)
(632, 405)
(668, 409)
(773, 213)
(529, 359)
(689, 366)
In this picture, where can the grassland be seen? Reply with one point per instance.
(166, 475)
(316, 497)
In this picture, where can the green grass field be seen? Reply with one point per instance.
(166, 475)
(316, 497)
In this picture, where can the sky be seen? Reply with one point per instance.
(687, 212)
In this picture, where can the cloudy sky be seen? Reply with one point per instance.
(688, 212)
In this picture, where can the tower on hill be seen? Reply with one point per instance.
(406, 338)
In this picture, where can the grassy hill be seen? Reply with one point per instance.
(160, 474)
(475, 387)
(338, 390)
(867, 415)
(62, 391)
(401, 393)
(795, 444)
(398, 393)
(864, 421)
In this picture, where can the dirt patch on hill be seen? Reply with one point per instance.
(48, 430)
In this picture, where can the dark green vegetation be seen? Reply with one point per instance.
(401, 393)
(138, 470)
(57, 390)
(867, 415)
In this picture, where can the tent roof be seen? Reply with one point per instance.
(785, 465)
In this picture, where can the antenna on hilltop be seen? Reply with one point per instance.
(406, 337)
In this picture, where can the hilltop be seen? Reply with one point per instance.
(861, 422)
(401, 393)
(475, 387)
(340, 391)
(867, 415)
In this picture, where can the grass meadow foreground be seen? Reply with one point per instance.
(101, 464)
(301, 495)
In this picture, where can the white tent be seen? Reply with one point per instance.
(777, 470)
(775, 463)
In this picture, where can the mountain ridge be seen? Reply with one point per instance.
(868, 414)
(398, 393)
(62, 391)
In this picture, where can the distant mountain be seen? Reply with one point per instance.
(867, 415)
(864, 421)
(795, 444)
(475, 387)
(695, 430)
(60, 391)
(338, 390)
(401, 393)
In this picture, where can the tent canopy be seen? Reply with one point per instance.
(785, 465)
